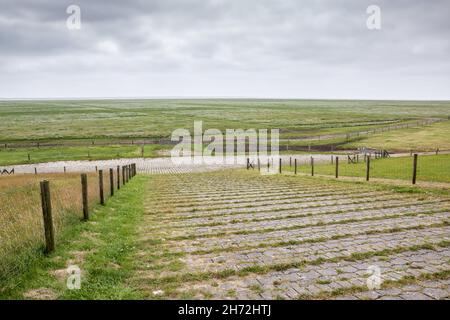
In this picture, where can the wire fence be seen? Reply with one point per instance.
(414, 168)
(21, 211)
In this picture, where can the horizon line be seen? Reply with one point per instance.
(211, 98)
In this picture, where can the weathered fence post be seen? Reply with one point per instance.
(331, 159)
(268, 165)
(47, 214)
(111, 181)
(279, 170)
(295, 165)
(84, 194)
(100, 187)
(290, 161)
(337, 167)
(312, 166)
(248, 163)
(35, 170)
(259, 165)
(368, 169)
(414, 177)
(123, 176)
(118, 177)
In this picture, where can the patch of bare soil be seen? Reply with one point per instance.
(40, 294)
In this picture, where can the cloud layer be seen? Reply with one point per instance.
(248, 48)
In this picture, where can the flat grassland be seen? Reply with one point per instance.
(426, 138)
(107, 121)
(97, 119)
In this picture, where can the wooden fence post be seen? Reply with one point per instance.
(279, 170)
(368, 169)
(123, 176)
(248, 163)
(111, 181)
(414, 178)
(118, 177)
(295, 165)
(290, 161)
(331, 159)
(337, 167)
(100, 187)
(84, 194)
(47, 214)
(312, 166)
(268, 165)
(259, 165)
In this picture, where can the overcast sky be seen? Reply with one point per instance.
(225, 48)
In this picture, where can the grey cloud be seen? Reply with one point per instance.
(247, 48)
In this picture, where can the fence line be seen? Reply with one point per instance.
(434, 168)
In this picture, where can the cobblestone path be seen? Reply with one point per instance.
(235, 234)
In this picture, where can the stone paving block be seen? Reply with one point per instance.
(211, 216)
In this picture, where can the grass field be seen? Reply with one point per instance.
(427, 138)
(85, 121)
(44, 120)
(109, 234)
(21, 221)
(47, 154)
(430, 168)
